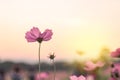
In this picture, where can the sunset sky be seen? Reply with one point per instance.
(77, 25)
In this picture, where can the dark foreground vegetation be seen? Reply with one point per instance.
(7, 65)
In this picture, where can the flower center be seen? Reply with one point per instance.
(52, 56)
(39, 40)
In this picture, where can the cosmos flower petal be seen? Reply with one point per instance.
(100, 64)
(30, 35)
(89, 66)
(73, 77)
(115, 54)
(46, 35)
(30, 40)
(81, 77)
(46, 39)
(118, 50)
(41, 76)
(35, 31)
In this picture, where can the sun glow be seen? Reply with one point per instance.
(78, 25)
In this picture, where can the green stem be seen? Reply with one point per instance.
(54, 69)
(39, 55)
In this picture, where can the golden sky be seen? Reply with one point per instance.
(85, 25)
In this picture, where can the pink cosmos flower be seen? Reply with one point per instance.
(115, 71)
(116, 66)
(77, 78)
(90, 66)
(41, 76)
(100, 64)
(35, 35)
(90, 77)
(112, 79)
(116, 53)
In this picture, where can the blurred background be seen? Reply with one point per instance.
(82, 30)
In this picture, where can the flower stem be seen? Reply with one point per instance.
(39, 55)
(54, 69)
